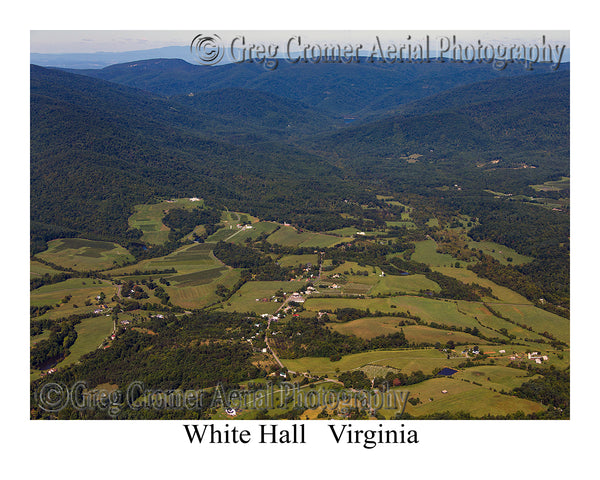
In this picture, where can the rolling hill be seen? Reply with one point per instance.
(358, 89)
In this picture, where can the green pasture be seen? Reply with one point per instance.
(80, 289)
(404, 284)
(37, 269)
(505, 295)
(199, 289)
(370, 327)
(83, 254)
(536, 318)
(295, 260)
(464, 397)
(501, 253)
(240, 236)
(187, 259)
(91, 332)
(289, 236)
(198, 274)
(407, 361)
(244, 300)
(148, 218)
(429, 310)
(425, 252)
(553, 186)
(495, 376)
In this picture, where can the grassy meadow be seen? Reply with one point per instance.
(289, 236)
(148, 218)
(82, 254)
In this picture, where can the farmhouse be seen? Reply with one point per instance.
(296, 297)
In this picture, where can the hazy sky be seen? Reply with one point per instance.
(89, 41)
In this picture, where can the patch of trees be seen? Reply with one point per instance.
(530, 285)
(259, 266)
(182, 221)
(159, 292)
(48, 279)
(310, 338)
(453, 288)
(38, 311)
(195, 351)
(553, 388)
(56, 346)
(356, 379)
(396, 378)
(130, 289)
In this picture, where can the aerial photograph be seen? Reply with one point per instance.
(300, 225)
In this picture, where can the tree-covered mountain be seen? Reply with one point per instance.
(98, 148)
(356, 89)
(455, 136)
(263, 114)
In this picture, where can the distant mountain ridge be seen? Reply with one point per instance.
(359, 89)
(104, 59)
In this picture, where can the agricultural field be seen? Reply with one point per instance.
(80, 290)
(464, 397)
(234, 218)
(429, 310)
(404, 284)
(348, 269)
(536, 318)
(198, 272)
(245, 299)
(37, 269)
(295, 260)
(370, 327)
(289, 236)
(407, 361)
(495, 376)
(553, 186)
(91, 332)
(200, 291)
(485, 317)
(187, 259)
(425, 252)
(240, 236)
(501, 253)
(148, 218)
(505, 295)
(421, 333)
(222, 234)
(83, 255)
(344, 232)
(197, 231)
